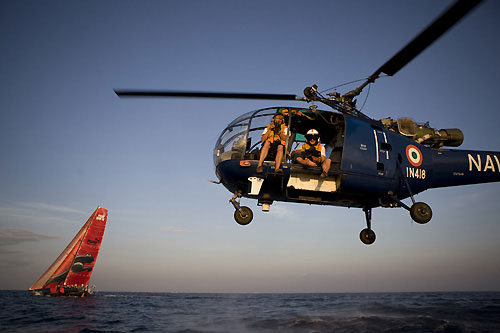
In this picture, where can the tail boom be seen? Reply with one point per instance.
(463, 167)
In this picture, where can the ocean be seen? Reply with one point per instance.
(173, 312)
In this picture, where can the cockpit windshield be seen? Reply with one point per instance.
(237, 138)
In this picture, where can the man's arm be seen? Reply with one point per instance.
(265, 135)
(321, 157)
(283, 133)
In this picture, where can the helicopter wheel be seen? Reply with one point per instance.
(367, 236)
(420, 212)
(245, 218)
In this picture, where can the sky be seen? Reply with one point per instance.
(68, 144)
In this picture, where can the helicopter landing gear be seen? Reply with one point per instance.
(243, 215)
(367, 235)
(420, 212)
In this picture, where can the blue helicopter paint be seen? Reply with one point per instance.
(463, 167)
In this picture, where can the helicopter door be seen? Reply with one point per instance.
(383, 152)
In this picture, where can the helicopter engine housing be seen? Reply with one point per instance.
(451, 137)
(424, 134)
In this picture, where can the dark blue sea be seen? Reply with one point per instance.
(169, 312)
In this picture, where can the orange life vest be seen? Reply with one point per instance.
(275, 136)
(314, 150)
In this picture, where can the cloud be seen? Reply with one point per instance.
(174, 229)
(52, 208)
(4, 251)
(282, 212)
(16, 212)
(13, 236)
(10, 263)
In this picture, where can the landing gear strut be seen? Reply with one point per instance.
(420, 212)
(243, 215)
(367, 235)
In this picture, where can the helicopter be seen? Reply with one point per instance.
(374, 163)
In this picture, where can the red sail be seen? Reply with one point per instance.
(74, 265)
(86, 255)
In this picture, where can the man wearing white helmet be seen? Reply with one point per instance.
(312, 153)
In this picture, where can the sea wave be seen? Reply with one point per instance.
(166, 312)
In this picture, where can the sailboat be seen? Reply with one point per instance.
(70, 273)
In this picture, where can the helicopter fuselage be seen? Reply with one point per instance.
(372, 166)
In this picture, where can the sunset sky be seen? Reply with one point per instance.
(69, 144)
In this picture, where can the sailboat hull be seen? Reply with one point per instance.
(65, 290)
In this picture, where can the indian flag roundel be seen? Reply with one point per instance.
(414, 155)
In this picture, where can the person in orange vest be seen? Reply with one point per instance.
(273, 139)
(312, 153)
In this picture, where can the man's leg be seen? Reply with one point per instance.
(263, 155)
(326, 167)
(279, 156)
(306, 162)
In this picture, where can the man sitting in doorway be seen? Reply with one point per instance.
(312, 153)
(274, 139)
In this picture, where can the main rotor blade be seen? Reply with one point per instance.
(427, 37)
(201, 94)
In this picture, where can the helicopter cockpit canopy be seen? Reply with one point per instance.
(237, 138)
(241, 139)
